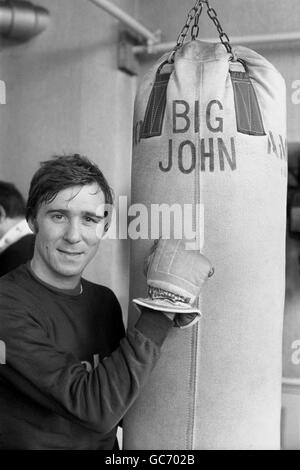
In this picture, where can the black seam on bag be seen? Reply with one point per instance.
(155, 111)
(246, 103)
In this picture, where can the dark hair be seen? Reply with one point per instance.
(11, 200)
(60, 173)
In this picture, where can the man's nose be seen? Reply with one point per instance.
(73, 233)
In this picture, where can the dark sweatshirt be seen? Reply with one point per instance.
(70, 373)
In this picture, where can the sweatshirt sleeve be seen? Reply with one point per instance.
(57, 380)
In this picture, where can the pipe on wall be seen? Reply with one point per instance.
(264, 39)
(21, 20)
(128, 20)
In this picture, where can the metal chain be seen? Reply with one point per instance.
(192, 15)
(195, 28)
(223, 36)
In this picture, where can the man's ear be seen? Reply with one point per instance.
(33, 225)
(2, 214)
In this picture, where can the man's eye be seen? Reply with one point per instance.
(90, 220)
(57, 217)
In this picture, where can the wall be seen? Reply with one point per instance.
(65, 94)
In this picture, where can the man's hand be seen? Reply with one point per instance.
(175, 277)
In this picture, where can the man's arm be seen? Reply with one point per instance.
(56, 379)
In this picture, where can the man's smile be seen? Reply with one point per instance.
(70, 253)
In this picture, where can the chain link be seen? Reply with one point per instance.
(194, 14)
(195, 28)
(222, 35)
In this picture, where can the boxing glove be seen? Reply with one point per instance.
(175, 276)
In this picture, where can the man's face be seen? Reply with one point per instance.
(68, 234)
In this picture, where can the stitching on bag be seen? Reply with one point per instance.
(249, 130)
(162, 98)
(156, 90)
(246, 110)
(245, 105)
(155, 107)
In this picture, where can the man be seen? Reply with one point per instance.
(71, 373)
(16, 238)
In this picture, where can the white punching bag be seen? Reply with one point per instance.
(210, 133)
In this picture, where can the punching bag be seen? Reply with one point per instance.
(210, 139)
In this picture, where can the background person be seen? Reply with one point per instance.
(16, 238)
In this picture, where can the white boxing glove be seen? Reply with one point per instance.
(175, 277)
